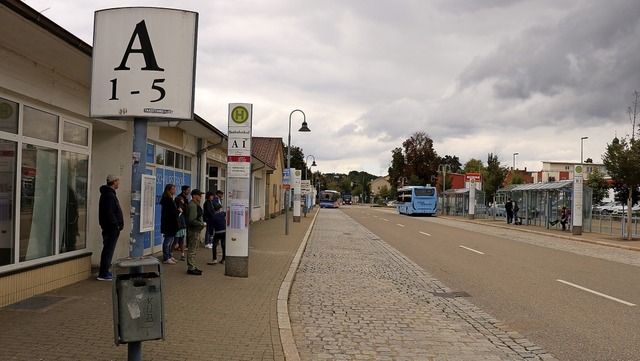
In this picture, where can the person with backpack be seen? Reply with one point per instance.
(219, 224)
(195, 224)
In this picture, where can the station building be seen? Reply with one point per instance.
(54, 158)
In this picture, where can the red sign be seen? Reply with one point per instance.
(238, 159)
(473, 177)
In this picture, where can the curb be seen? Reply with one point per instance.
(284, 324)
(600, 243)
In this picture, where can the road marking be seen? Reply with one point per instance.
(400, 224)
(426, 234)
(384, 219)
(471, 249)
(596, 293)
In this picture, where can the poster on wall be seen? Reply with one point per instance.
(147, 203)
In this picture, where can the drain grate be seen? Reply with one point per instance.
(451, 294)
(36, 303)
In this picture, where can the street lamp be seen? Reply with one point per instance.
(514, 160)
(304, 128)
(312, 164)
(582, 147)
(443, 168)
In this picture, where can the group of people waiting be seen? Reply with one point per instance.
(511, 207)
(181, 217)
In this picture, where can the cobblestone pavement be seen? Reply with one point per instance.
(357, 298)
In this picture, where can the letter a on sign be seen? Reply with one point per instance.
(144, 62)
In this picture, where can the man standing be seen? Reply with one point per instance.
(219, 197)
(111, 221)
(508, 207)
(195, 224)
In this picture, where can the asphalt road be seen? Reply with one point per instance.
(575, 306)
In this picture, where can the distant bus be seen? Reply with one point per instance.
(417, 200)
(346, 198)
(329, 199)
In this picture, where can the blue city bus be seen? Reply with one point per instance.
(329, 199)
(417, 200)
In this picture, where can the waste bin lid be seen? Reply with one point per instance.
(137, 262)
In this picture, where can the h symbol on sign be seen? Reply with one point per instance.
(240, 114)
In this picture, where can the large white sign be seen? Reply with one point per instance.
(143, 63)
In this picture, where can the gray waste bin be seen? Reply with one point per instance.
(138, 307)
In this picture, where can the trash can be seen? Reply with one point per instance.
(138, 305)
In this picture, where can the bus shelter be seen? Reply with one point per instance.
(455, 202)
(541, 203)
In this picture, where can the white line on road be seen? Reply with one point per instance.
(384, 219)
(401, 225)
(597, 293)
(471, 249)
(426, 234)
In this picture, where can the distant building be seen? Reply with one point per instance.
(378, 183)
(559, 171)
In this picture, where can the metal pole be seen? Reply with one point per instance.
(137, 238)
(288, 195)
(514, 160)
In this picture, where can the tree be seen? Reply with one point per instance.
(621, 160)
(517, 178)
(473, 166)
(421, 160)
(452, 161)
(397, 169)
(297, 158)
(598, 184)
(493, 176)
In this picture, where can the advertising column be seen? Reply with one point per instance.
(238, 190)
(576, 211)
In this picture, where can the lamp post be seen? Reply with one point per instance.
(443, 168)
(514, 160)
(304, 128)
(582, 147)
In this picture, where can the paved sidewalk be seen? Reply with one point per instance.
(208, 317)
(357, 298)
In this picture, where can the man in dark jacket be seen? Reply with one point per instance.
(111, 222)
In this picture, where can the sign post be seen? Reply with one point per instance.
(238, 190)
(297, 178)
(576, 211)
(143, 68)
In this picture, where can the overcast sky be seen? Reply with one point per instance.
(479, 77)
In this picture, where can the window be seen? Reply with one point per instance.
(187, 162)
(8, 151)
(43, 203)
(75, 134)
(40, 125)
(159, 155)
(170, 160)
(37, 214)
(73, 210)
(257, 192)
(8, 116)
(179, 161)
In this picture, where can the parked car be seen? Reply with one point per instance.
(608, 208)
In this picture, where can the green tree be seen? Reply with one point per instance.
(297, 158)
(397, 168)
(452, 161)
(493, 177)
(421, 160)
(598, 184)
(517, 178)
(473, 166)
(621, 159)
